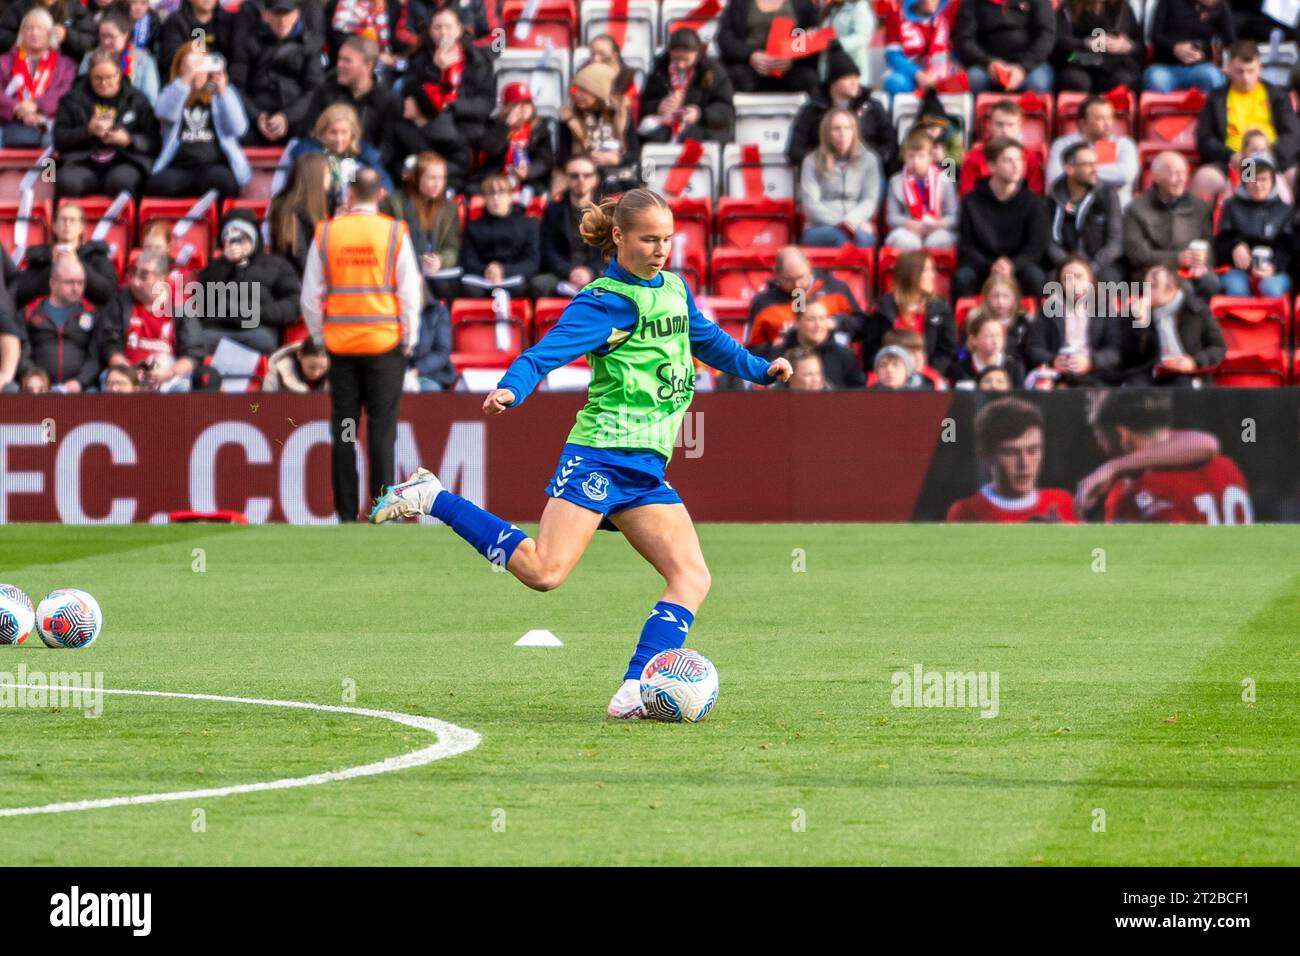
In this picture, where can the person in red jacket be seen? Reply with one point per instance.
(1009, 439)
(1158, 474)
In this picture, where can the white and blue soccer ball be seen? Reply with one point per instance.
(679, 685)
(16, 615)
(69, 617)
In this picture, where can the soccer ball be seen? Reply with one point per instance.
(679, 685)
(69, 617)
(16, 615)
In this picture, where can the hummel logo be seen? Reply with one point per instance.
(566, 472)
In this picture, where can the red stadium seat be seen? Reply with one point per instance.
(755, 223)
(37, 223)
(265, 160)
(258, 207)
(193, 247)
(1255, 331)
(740, 273)
(24, 166)
(1169, 119)
(693, 219)
(545, 314)
(1036, 128)
(1067, 111)
(479, 337)
(730, 315)
(121, 232)
(536, 206)
(945, 263)
(553, 24)
(850, 264)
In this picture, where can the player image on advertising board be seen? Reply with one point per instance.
(1155, 473)
(1009, 440)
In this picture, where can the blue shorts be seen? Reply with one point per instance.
(610, 480)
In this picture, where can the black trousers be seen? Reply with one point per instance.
(180, 181)
(375, 383)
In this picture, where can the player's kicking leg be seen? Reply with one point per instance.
(665, 536)
(541, 563)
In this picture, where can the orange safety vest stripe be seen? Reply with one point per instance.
(362, 309)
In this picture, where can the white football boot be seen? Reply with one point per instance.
(414, 496)
(626, 704)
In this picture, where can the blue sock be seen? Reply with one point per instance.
(666, 628)
(491, 537)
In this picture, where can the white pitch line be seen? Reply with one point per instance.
(452, 740)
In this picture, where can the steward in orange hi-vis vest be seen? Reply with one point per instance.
(362, 313)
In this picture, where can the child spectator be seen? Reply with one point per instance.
(517, 145)
(986, 347)
(501, 246)
(1255, 235)
(918, 46)
(921, 204)
(301, 367)
(1000, 299)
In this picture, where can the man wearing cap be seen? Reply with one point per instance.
(361, 298)
(277, 67)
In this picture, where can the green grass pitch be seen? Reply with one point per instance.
(1122, 735)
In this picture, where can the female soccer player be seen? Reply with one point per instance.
(640, 328)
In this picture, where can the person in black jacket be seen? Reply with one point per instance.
(1082, 26)
(844, 90)
(1212, 126)
(742, 40)
(455, 77)
(687, 95)
(1178, 335)
(1186, 36)
(80, 32)
(1003, 226)
(69, 235)
(813, 328)
(1075, 335)
(1006, 44)
(209, 18)
(565, 258)
(106, 133)
(912, 304)
(267, 289)
(353, 82)
(517, 144)
(500, 248)
(1256, 218)
(277, 67)
(1085, 216)
(66, 335)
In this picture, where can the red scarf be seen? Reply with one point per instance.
(35, 84)
(932, 206)
(912, 319)
(443, 93)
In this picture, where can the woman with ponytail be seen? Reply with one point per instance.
(639, 327)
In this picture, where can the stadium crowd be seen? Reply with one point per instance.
(1009, 253)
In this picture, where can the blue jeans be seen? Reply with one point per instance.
(1237, 282)
(1039, 80)
(834, 237)
(1163, 78)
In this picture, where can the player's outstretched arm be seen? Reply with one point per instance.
(497, 401)
(1182, 449)
(588, 323)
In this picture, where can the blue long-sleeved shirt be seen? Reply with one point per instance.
(588, 322)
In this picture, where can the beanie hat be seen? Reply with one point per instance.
(596, 79)
(839, 65)
(898, 352)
